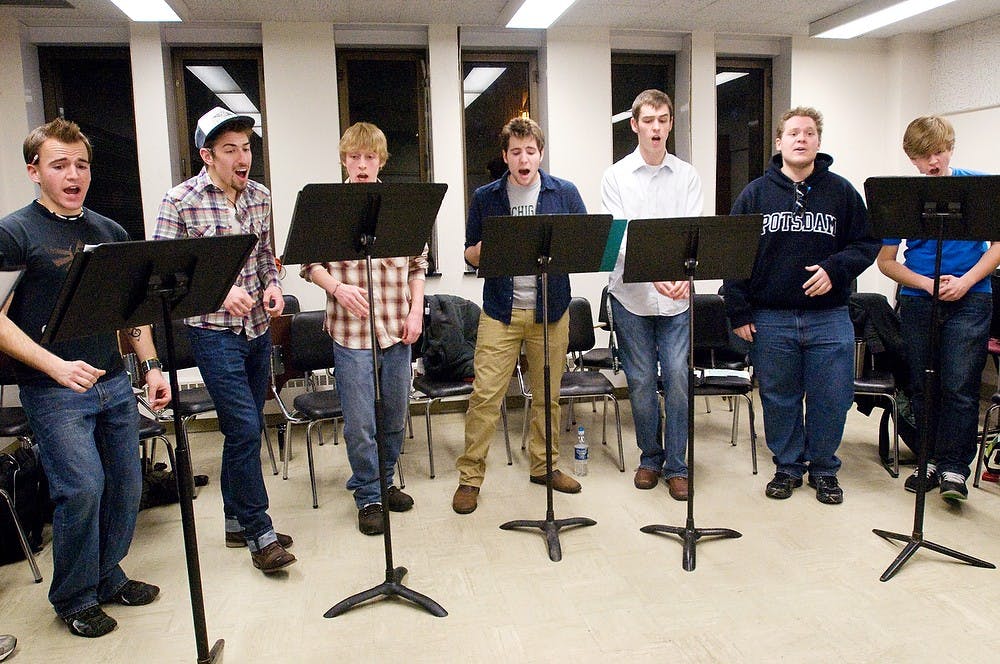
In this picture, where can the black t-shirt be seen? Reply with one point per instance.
(44, 244)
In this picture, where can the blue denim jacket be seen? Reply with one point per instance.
(556, 196)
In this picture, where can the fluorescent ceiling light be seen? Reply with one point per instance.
(147, 10)
(538, 14)
(218, 80)
(726, 76)
(868, 16)
(478, 81)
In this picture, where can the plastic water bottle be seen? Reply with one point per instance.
(580, 453)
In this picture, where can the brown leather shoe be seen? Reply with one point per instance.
(271, 558)
(678, 487)
(465, 500)
(560, 482)
(646, 478)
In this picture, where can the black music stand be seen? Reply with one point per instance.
(540, 244)
(127, 284)
(336, 222)
(679, 249)
(931, 208)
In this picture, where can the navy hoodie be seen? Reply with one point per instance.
(832, 232)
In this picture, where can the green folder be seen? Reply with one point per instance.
(613, 245)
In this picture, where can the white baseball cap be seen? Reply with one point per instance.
(210, 124)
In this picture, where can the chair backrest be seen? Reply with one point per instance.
(581, 326)
(291, 305)
(711, 326)
(183, 355)
(995, 321)
(310, 347)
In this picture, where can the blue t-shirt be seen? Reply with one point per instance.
(957, 256)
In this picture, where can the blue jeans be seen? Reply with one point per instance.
(236, 371)
(963, 336)
(356, 386)
(88, 445)
(804, 354)
(644, 341)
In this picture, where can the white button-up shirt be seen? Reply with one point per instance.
(632, 189)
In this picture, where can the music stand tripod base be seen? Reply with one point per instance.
(914, 542)
(391, 587)
(690, 535)
(550, 528)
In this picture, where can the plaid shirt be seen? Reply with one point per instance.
(198, 208)
(392, 298)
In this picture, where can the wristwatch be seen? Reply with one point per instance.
(147, 365)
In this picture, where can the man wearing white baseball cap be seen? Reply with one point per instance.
(231, 345)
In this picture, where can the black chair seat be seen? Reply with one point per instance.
(194, 401)
(319, 405)
(598, 358)
(723, 386)
(150, 428)
(582, 384)
(13, 422)
(442, 389)
(877, 383)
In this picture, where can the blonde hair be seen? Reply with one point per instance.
(801, 112)
(364, 137)
(928, 135)
(59, 129)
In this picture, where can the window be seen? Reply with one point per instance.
(497, 87)
(630, 75)
(93, 88)
(230, 78)
(743, 105)
(389, 90)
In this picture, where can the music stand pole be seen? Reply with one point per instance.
(928, 427)
(393, 584)
(657, 250)
(549, 526)
(185, 491)
(688, 533)
(155, 281)
(337, 222)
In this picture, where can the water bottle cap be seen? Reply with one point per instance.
(579, 429)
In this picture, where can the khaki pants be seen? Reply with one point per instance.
(497, 349)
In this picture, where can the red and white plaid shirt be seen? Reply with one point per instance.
(198, 208)
(391, 277)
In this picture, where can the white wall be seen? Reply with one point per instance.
(15, 187)
(302, 126)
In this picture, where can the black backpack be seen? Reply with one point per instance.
(452, 324)
(22, 477)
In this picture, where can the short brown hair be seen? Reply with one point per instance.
(928, 135)
(362, 137)
(801, 112)
(520, 127)
(654, 98)
(61, 130)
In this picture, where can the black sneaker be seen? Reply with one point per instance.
(953, 486)
(135, 593)
(828, 489)
(781, 486)
(370, 519)
(91, 622)
(397, 500)
(913, 481)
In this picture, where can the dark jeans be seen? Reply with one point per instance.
(963, 337)
(236, 371)
(804, 355)
(88, 444)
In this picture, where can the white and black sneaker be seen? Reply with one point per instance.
(933, 479)
(953, 486)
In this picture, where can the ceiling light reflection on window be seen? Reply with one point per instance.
(726, 76)
(478, 81)
(218, 80)
(156, 11)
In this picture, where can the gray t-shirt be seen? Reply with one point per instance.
(522, 203)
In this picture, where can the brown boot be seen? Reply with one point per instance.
(678, 487)
(646, 478)
(271, 558)
(560, 482)
(465, 500)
